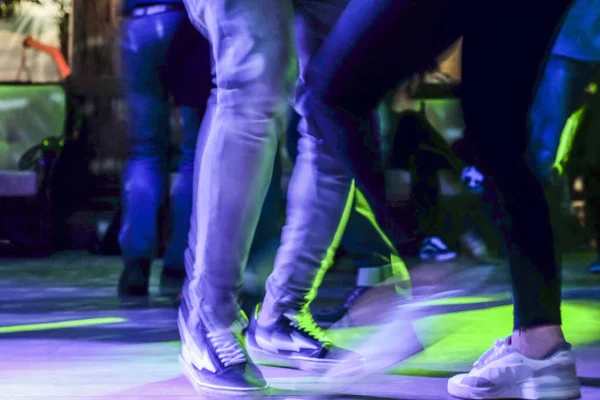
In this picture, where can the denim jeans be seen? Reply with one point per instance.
(324, 206)
(255, 70)
(377, 44)
(369, 246)
(163, 56)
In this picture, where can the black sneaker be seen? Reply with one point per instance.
(434, 249)
(294, 341)
(215, 360)
(334, 314)
(133, 284)
(171, 282)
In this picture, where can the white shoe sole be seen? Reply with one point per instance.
(262, 357)
(528, 390)
(205, 387)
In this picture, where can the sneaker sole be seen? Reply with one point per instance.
(204, 387)
(527, 390)
(261, 357)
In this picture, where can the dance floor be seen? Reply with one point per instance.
(63, 336)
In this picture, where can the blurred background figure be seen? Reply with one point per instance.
(164, 59)
(575, 56)
(578, 159)
(418, 146)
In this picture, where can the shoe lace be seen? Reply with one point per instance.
(305, 322)
(228, 347)
(500, 347)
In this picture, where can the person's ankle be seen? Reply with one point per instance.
(537, 342)
(266, 313)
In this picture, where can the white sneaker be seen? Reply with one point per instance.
(503, 373)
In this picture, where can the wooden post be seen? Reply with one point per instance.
(95, 26)
(95, 81)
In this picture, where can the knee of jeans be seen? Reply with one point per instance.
(257, 104)
(142, 194)
(261, 84)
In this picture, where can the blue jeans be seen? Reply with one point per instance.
(324, 206)
(255, 63)
(163, 56)
(254, 72)
(377, 44)
(559, 94)
(369, 247)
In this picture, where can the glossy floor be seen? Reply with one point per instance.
(62, 336)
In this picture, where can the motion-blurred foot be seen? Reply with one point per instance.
(331, 315)
(475, 247)
(294, 340)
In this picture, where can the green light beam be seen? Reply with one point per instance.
(60, 325)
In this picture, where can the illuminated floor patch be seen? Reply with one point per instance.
(60, 325)
(464, 300)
